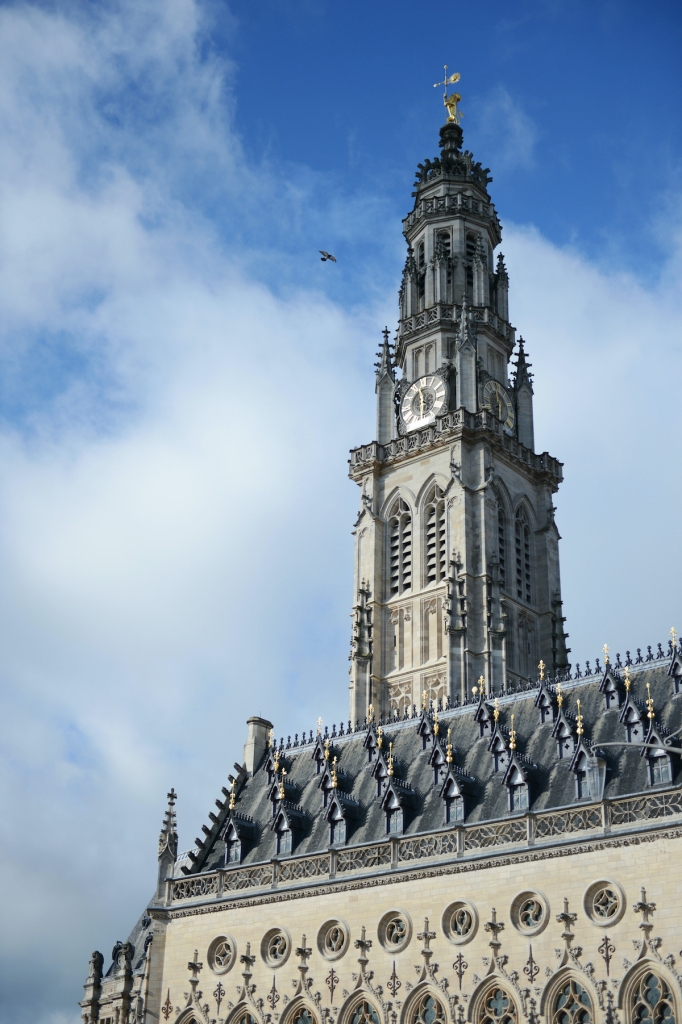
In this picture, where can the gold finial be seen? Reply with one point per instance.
(448, 750)
(673, 637)
(579, 730)
(270, 735)
(232, 797)
(605, 652)
(370, 713)
(512, 735)
(275, 765)
(481, 684)
(380, 736)
(559, 695)
(496, 712)
(474, 690)
(425, 700)
(335, 781)
(451, 101)
(390, 759)
(281, 784)
(542, 668)
(628, 681)
(319, 726)
(649, 703)
(436, 726)
(327, 744)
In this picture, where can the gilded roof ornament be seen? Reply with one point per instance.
(380, 736)
(542, 668)
(281, 784)
(450, 102)
(425, 700)
(559, 695)
(335, 781)
(580, 729)
(448, 749)
(605, 652)
(628, 681)
(319, 726)
(232, 795)
(436, 726)
(327, 744)
(673, 637)
(649, 703)
(496, 712)
(390, 759)
(512, 735)
(370, 713)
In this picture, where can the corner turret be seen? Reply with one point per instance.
(385, 392)
(523, 392)
(168, 847)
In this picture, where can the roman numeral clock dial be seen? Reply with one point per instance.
(423, 401)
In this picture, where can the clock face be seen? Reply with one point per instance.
(423, 401)
(498, 401)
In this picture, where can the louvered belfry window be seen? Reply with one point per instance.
(502, 548)
(523, 574)
(434, 520)
(400, 533)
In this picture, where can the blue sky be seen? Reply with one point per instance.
(181, 380)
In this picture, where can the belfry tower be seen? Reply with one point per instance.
(456, 547)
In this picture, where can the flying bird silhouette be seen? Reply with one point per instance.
(326, 256)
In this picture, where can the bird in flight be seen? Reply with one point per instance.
(326, 256)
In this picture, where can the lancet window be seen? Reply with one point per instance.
(434, 527)
(502, 546)
(302, 1016)
(421, 276)
(572, 1005)
(470, 251)
(364, 1013)
(426, 1010)
(523, 557)
(497, 1008)
(518, 791)
(651, 1002)
(400, 538)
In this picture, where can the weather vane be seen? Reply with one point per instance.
(453, 99)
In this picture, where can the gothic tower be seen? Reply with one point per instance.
(456, 548)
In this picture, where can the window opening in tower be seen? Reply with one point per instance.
(435, 536)
(523, 580)
(502, 548)
(470, 251)
(421, 276)
(400, 533)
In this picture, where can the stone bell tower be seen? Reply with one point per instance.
(456, 547)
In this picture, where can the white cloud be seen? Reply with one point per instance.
(506, 129)
(175, 519)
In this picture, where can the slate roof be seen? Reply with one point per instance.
(551, 780)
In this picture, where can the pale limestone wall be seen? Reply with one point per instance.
(654, 865)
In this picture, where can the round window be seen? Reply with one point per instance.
(604, 903)
(460, 922)
(222, 954)
(332, 939)
(275, 947)
(530, 912)
(395, 930)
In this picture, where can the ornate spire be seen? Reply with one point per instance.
(522, 374)
(385, 366)
(501, 269)
(168, 839)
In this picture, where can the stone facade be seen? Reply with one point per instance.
(479, 841)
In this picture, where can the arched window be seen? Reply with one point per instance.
(502, 546)
(426, 1010)
(470, 251)
(400, 536)
(434, 539)
(337, 826)
(394, 815)
(446, 248)
(497, 1008)
(421, 276)
(518, 791)
(364, 1013)
(302, 1015)
(651, 1001)
(241, 1018)
(523, 557)
(572, 1005)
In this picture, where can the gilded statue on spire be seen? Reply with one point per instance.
(451, 101)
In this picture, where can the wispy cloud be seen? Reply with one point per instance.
(506, 129)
